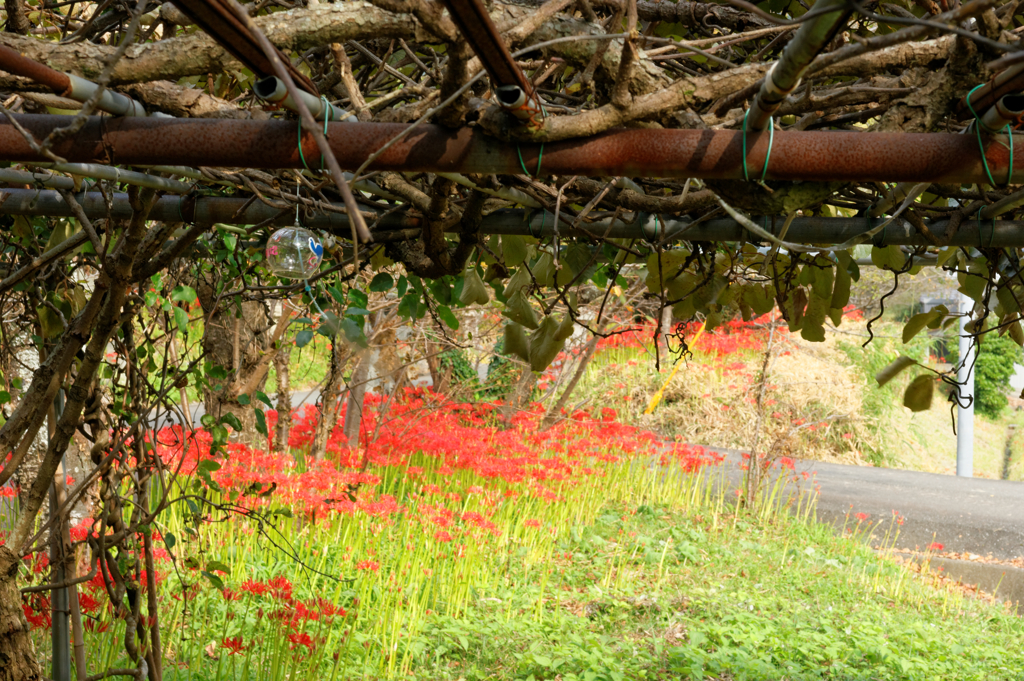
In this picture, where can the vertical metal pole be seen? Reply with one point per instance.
(965, 415)
(59, 608)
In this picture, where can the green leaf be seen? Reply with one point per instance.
(170, 540)
(261, 423)
(217, 566)
(381, 282)
(893, 369)
(409, 306)
(937, 322)
(214, 579)
(918, 396)
(973, 286)
(336, 294)
(448, 317)
(303, 337)
(513, 250)
(208, 466)
(945, 254)
(232, 421)
(50, 321)
(183, 294)
(219, 434)
(5, 397)
(244, 400)
(262, 397)
(841, 286)
(888, 258)
(358, 299)
(181, 319)
(330, 324)
(917, 323)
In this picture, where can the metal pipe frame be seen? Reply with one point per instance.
(821, 156)
(114, 174)
(1009, 81)
(810, 230)
(512, 89)
(68, 85)
(273, 91)
(784, 76)
(218, 19)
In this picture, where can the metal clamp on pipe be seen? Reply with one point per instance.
(273, 91)
(513, 99)
(1007, 111)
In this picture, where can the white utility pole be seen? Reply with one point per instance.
(965, 376)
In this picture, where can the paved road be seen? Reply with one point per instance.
(973, 515)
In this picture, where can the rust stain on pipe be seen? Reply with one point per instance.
(707, 154)
(14, 62)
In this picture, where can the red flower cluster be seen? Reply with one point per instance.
(419, 432)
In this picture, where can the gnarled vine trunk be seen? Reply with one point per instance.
(239, 343)
(17, 654)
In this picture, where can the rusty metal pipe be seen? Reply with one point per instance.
(207, 210)
(14, 62)
(704, 154)
(784, 76)
(67, 85)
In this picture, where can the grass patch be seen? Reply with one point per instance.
(473, 552)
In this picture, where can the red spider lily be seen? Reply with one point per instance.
(861, 517)
(302, 639)
(255, 588)
(936, 546)
(371, 565)
(281, 588)
(329, 609)
(234, 645)
(787, 462)
(87, 603)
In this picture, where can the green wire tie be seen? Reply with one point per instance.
(522, 164)
(768, 155)
(992, 231)
(327, 119)
(981, 145)
(543, 221)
